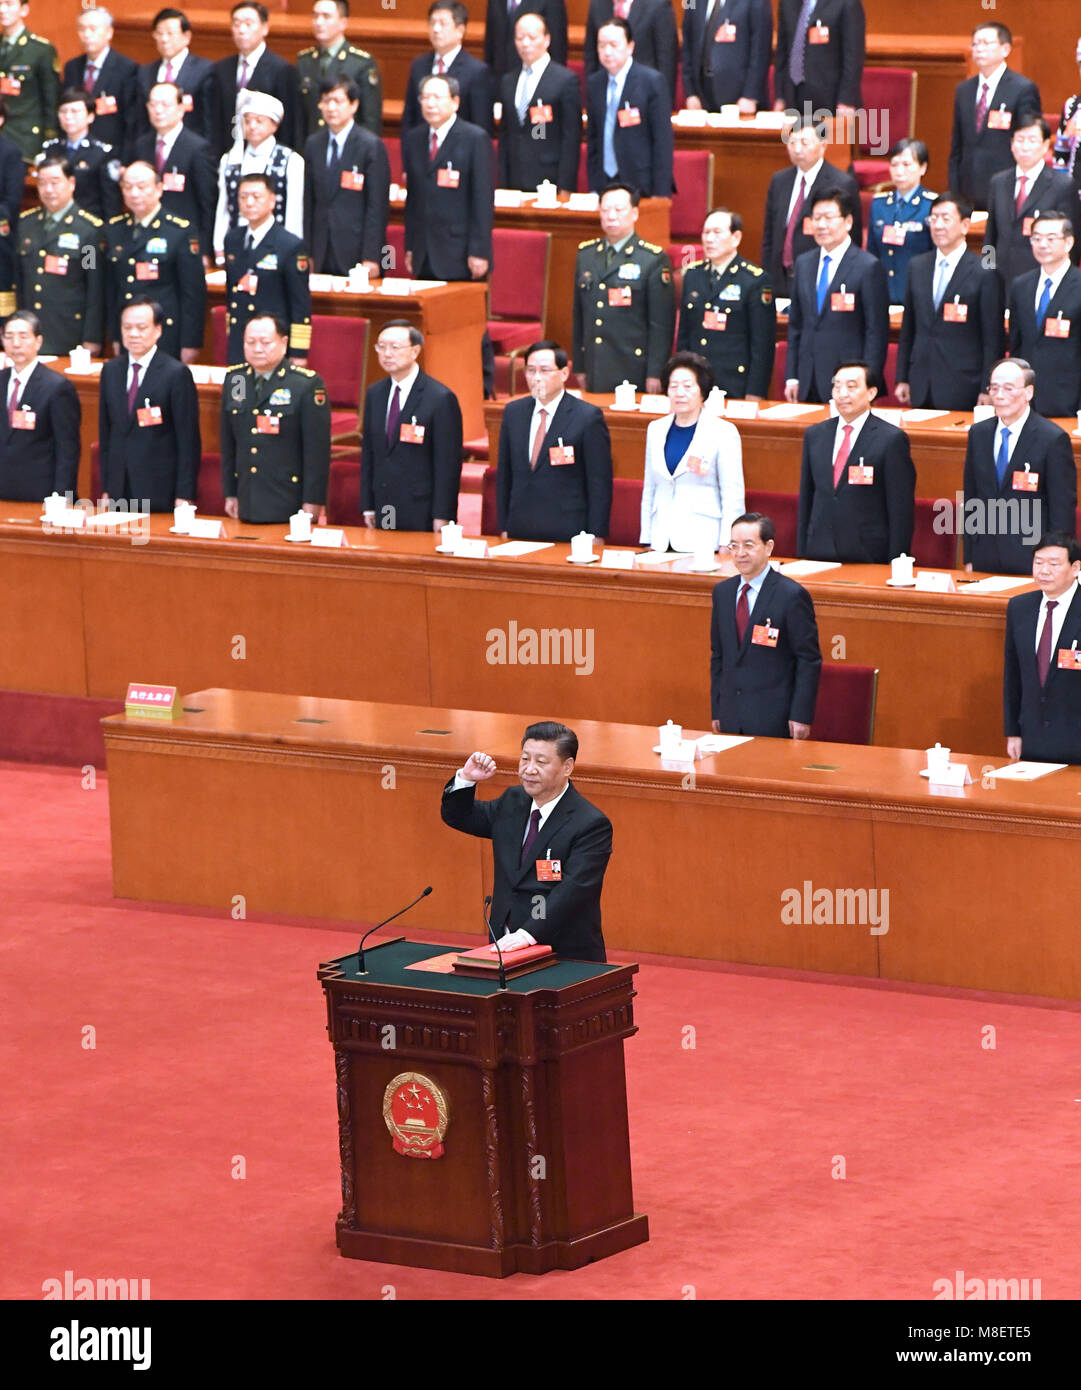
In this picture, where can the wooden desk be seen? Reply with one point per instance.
(390, 620)
(301, 817)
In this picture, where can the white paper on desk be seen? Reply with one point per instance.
(394, 284)
(719, 743)
(801, 569)
(996, 584)
(617, 559)
(507, 198)
(655, 405)
(689, 119)
(920, 417)
(741, 410)
(321, 284)
(889, 414)
(935, 582)
(1026, 771)
(978, 218)
(92, 370)
(209, 528)
(215, 277)
(662, 557)
(415, 286)
(982, 412)
(771, 120)
(783, 305)
(510, 549)
(106, 519)
(583, 202)
(787, 411)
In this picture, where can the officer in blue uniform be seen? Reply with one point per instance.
(897, 227)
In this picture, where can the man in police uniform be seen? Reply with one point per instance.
(61, 274)
(275, 431)
(152, 252)
(728, 312)
(266, 272)
(29, 80)
(624, 303)
(97, 168)
(334, 56)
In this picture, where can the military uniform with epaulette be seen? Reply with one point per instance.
(30, 85)
(269, 278)
(624, 312)
(347, 62)
(61, 276)
(898, 231)
(275, 441)
(162, 260)
(729, 316)
(97, 173)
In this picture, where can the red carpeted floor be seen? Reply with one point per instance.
(210, 1044)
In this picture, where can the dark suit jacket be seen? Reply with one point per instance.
(656, 44)
(1048, 717)
(976, 156)
(190, 159)
(526, 160)
(778, 197)
(343, 224)
(499, 51)
(576, 833)
(45, 459)
(1051, 191)
(116, 81)
(1056, 361)
(477, 92)
(159, 462)
(757, 689)
(817, 342)
(1046, 449)
(857, 523)
(448, 225)
(947, 364)
(12, 184)
(195, 79)
(272, 75)
(644, 151)
(737, 68)
(281, 266)
(554, 501)
(833, 71)
(408, 485)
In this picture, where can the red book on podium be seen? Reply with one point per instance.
(483, 962)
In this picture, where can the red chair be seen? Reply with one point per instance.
(693, 198)
(583, 171)
(777, 380)
(489, 511)
(892, 93)
(339, 353)
(932, 547)
(518, 289)
(208, 493)
(394, 251)
(394, 154)
(625, 521)
(889, 373)
(866, 199)
(782, 508)
(845, 712)
(343, 489)
(578, 67)
(219, 336)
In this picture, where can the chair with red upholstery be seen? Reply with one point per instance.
(782, 508)
(395, 262)
(339, 353)
(582, 186)
(219, 336)
(394, 154)
(625, 523)
(489, 510)
(518, 288)
(845, 712)
(891, 92)
(889, 372)
(343, 488)
(933, 547)
(693, 174)
(780, 361)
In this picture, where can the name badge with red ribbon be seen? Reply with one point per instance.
(248, 282)
(696, 465)
(808, 227)
(955, 312)
(818, 33)
(561, 454)
(551, 870)
(629, 115)
(105, 106)
(861, 474)
(146, 270)
(186, 102)
(56, 265)
(172, 182)
(448, 178)
(352, 180)
(1000, 119)
(148, 415)
(540, 114)
(411, 432)
(268, 424)
(762, 635)
(714, 320)
(1058, 327)
(1026, 481)
(893, 234)
(843, 302)
(1026, 226)
(24, 419)
(10, 87)
(1069, 659)
(619, 296)
(726, 33)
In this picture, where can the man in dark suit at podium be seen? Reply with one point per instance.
(550, 845)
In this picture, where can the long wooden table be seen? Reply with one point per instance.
(390, 620)
(331, 808)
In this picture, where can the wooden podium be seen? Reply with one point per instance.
(524, 1092)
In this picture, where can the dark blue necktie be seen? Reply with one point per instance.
(1002, 459)
(823, 282)
(1045, 300)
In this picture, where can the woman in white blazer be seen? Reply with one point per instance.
(693, 486)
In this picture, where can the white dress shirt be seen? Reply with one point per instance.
(1055, 276)
(404, 388)
(1014, 429)
(1058, 617)
(809, 178)
(175, 63)
(142, 363)
(441, 133)
(857, 425)
(992, 85)
(836, 256)
(756, 587)
(549, 410)
(168, 139)
(252, 61)
(620, 79)
(22, 378)
(448, 59)
(953, 260)
(527, 85)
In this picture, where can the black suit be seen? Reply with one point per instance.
(280, 266)
(947, 361)
(858, 523)
(756, 689)
(346, 225)
(656, 44)
(199, 87)
(156, 458)
(778, 196)
(499, 51)
(818, 341)
(1047, 718)
(115, 97)
(833, 70)
(720, 72)
(476, 92)
(575, 832)
(189, 178)
(45, 459)
(97, 171)
(555, 114)
(976, 156)
(1046, 449)
(446, 225)
(1050, 191)
(273, 75)
(644, 144)
(409, 483)
(1056, 361)
(554, 501)
(12, 184)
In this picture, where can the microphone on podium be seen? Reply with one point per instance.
(360, 948)
(495, 943)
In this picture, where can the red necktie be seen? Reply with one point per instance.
(159, 154)
(787, 256)
(538, 439)
(439, 68)
(743, 613)
(981, 107)
(433, 148)
(1019, 201)
(842, 454)
(90, 76)
(168, 71)
(622, 7)
(394, 415)
(1043, 651)
(530, 835)
(13, 403)
(133, 389)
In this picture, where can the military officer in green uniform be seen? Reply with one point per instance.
(275, 430)
(61, 269)
(728, 313)
(624, 306)
(334, 56)
(149, 251)
(29, 81)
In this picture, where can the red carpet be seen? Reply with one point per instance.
(210, 1043)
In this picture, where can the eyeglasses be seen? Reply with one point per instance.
(1048, 236)
(542, 371)
(392, 347)
(1001, 388)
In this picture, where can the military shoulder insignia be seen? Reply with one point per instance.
(177, 221)
(928, 194)
(89, 217)
(754, 269)
(320, 397)
(360, 52)
(238, 367)
(120, 217)
(593, 241)
(303, 371)
(698, 265)
(649, 246)
(31, 212)
(306, 53)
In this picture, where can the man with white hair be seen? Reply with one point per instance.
(258, 152)
(108, 78)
